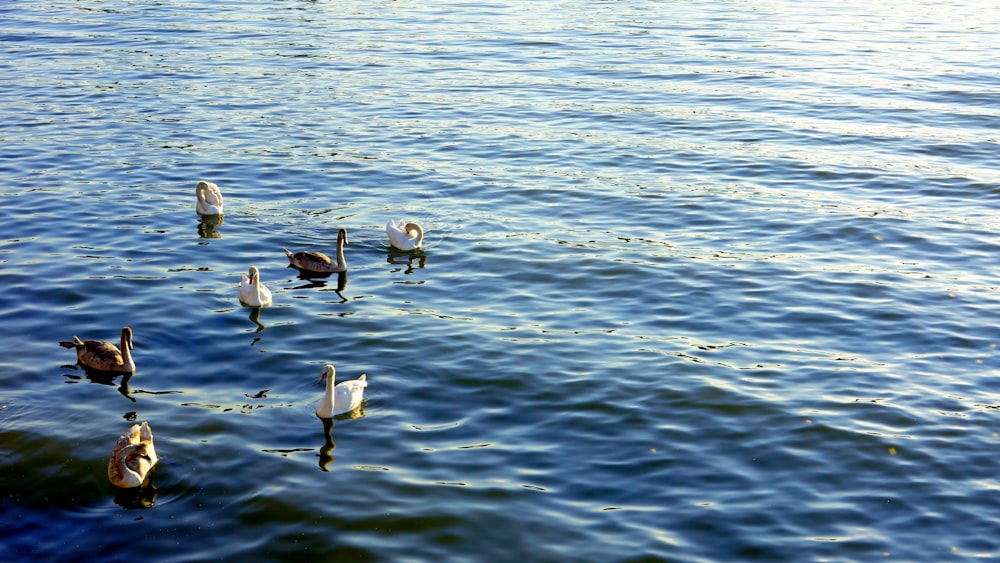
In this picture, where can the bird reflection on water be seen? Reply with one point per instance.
(326, 456)
(326, 452)
(138, 497)
(104, 378)
(255, 317)
(318, 280)
(207, 225)
(412, 259)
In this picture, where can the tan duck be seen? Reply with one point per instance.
(133, 457)
(104, 356)
(209, 198)
(313, 261)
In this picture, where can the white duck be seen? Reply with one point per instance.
(209, 198)
(132, 457)
(313, 261)
(252, 291)
(104, 356)
(403, 235)
(342, 397)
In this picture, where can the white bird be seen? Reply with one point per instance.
(252, 291)
(209, 198)
(132, 458)
(342, 397)
(104, 356)
(313, 261)
(403, 235)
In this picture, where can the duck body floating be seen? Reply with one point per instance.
(132, 457)
(404, 235)
(253, 292)
(317, 262)
(342, 397)
(104, 356)
(209, 199)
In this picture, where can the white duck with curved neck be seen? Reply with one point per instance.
(405, 235)
(341, 397)
(253, 292)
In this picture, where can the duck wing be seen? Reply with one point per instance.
(398, 230)
(348, 394)
(313, 256)
(214, 195)
(310, 260)
(398, 237)
(100, 355)
(132, 457)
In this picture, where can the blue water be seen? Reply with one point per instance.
(703, 281)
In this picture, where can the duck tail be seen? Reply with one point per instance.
(75, 344)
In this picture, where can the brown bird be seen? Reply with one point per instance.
(313, 261)
(104, 356)
(132, 458)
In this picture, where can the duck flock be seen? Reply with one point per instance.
(134, 456)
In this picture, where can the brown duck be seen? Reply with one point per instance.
(132, 458)
(104, 356)
(313, 261)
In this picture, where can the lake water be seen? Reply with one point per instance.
(703, 280)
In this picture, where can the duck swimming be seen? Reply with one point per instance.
(132, 458)
(342, 397)
(404, 236)
(209, 198)
(104, 356)
(252, 291)
(313, 261)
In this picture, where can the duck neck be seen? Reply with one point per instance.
(127, 352)
(328, 396)
(341, 262)
(419, 240)
(257, 291)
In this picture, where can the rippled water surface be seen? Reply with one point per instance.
(703, 281)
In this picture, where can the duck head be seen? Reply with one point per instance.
(328, 371)
(127, 338)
